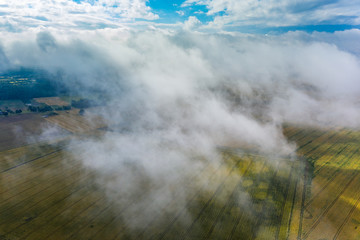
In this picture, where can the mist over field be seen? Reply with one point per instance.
(174, 97)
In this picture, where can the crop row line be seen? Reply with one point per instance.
(114, 219)
(318, 219)
(163, 234)
(83, 178)
(227, 204)
(32, 160)
(30, 186)
(346, 219)
(203, 170)
(218, 189)
(285, 200)
(333, 175)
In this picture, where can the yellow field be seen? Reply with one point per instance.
(75, 123)
(52, 101)
(47, 194)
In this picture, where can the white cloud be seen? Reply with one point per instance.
(181, 95)
(199, 12)
(19, 15)
(191, 23)
(346, 40)
(180, 12)
(280, 12)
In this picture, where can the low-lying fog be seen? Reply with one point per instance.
(180, 95)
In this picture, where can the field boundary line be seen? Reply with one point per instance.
(303, 200)
(34, 159)
(47, 162)
(287, 190)
(292, 209)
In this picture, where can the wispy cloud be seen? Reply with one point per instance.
(180, 12)
(173, 98)
(279, 13)
(18, 15)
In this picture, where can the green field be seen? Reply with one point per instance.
(46, 194)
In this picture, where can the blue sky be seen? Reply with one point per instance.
(251, 16)
(172, 11)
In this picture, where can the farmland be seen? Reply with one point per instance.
(75, 123)
(22, 129)
(46, 193)
(52, 101)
